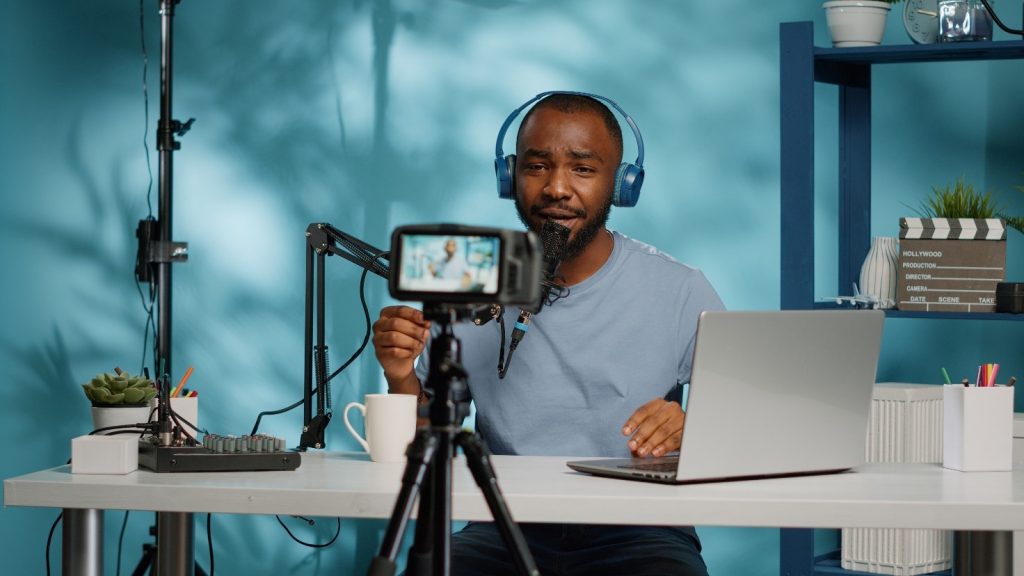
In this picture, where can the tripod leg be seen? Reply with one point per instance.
(421, 553)
(148, 553)
(441, 521)
(419, 454)
(479, 462)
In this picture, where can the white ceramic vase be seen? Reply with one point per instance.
(878, 273)
(856, 22)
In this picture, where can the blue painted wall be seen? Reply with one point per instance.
(373, 114)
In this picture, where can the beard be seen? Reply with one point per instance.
(586, 233)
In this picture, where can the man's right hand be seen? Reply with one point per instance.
(399, 336)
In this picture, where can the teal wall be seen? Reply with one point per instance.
(369, 115)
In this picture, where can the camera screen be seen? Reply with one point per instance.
(441, 263)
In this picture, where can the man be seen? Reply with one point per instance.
(592, 376)
(451, 266)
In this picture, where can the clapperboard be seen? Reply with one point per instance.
(950, 264)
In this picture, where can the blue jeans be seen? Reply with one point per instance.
(569, 549)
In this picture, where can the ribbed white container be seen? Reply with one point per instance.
(878, 272)
(905, 426)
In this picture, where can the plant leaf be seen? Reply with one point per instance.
(134, 395)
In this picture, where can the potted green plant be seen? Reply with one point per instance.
(962, 200)
(953, 256)
(119, 398)
(857, 22)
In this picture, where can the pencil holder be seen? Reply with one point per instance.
(977, 428)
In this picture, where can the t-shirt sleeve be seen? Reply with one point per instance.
(699, 296)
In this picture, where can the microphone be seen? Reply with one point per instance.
(554, 238)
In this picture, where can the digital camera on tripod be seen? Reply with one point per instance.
(459, 273)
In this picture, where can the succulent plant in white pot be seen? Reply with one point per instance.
(119, 398)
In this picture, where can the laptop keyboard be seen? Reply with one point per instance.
(660, 465)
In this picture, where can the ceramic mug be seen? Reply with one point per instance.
(390, 423)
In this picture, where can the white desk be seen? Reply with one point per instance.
(542, 489)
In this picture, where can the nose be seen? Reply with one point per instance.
(558, 186)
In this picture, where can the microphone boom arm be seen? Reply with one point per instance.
(324, 240)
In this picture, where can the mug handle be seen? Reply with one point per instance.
(362, 409)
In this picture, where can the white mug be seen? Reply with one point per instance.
(390, 423)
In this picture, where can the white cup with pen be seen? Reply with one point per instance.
(390, 424)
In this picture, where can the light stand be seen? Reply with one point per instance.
(174, 530)
(430, 462)
(324, 240)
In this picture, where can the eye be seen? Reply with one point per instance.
(585, 170)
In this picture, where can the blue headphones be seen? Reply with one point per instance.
(628, 177)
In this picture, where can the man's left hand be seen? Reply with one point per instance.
(656, 428)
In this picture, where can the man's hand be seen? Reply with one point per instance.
(399, 336)
(656, 428)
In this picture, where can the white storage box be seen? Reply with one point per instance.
(105, 454)
(905, 426)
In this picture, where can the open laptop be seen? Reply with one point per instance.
(779, 393)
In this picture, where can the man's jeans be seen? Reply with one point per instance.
(569, 549)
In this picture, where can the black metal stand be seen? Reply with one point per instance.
(430, 462)
(173, 530)
(324, 240)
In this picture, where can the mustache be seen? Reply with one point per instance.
(536, 209)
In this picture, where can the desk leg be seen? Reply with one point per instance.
(982, 553)
(175, 537)
(82, 549)
(796, 552)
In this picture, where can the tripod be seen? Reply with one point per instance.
(430, 462)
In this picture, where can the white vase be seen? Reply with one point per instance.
(878, 273)
(856, 22)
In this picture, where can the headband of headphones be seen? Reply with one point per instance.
(628, 178)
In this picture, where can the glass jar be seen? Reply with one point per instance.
(963, 21)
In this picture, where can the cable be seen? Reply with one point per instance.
(145, 105)
(366, 339)
(366, 335)
(49, 540)
(324, 545)
(1000, 22)
(120, 541)
(149, 187)
(127, 427)
(179, 419)
(501, 344)
(209, 540)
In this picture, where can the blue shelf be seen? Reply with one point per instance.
(830, 564)
(929, 315)
(952, 52)
(801, 66)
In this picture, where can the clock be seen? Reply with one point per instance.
(921, 20)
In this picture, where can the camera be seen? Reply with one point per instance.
(456, 264)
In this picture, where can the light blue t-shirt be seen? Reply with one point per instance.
(617, 340)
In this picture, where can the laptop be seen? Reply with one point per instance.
(780, 393)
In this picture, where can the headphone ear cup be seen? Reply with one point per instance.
(504, 171)
(628, 180)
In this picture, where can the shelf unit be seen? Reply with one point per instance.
(801, 66)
